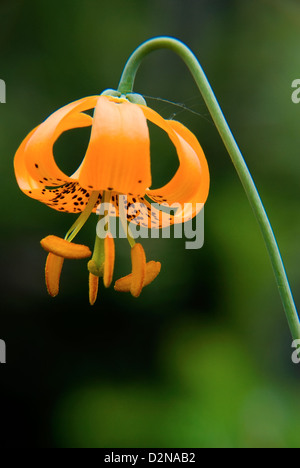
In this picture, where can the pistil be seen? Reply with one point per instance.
(96, 265)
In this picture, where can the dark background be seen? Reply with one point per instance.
(203, 357)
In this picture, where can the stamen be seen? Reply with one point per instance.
(53, 269)
(95, 265)
(93, 288)
(103, 260)
(109, 262)
(82, 219)
(94, 269)
(65, 249)
(152, 271)
(138, 260)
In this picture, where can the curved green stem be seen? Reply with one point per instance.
(126, 86)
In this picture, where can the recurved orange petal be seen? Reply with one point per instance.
(25, 182)
(197, 201)
(36, 156)
(190, 184)
(118, 155)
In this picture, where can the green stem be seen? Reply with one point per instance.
(126, 86)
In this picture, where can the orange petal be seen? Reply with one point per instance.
(65, 249)
(70, 198)
(152, 271)
(65, 195)
(138, 261)
(145, 214)
(53, 269)
(93, 288)
(109, 263)
(34, 160)
(25, 182)
(118, 156)
(190, 184)
(196, 202)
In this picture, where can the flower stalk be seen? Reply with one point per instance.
(126, 87)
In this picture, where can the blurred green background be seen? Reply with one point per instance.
(203, 357)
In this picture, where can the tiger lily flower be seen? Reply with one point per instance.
(117, 161)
